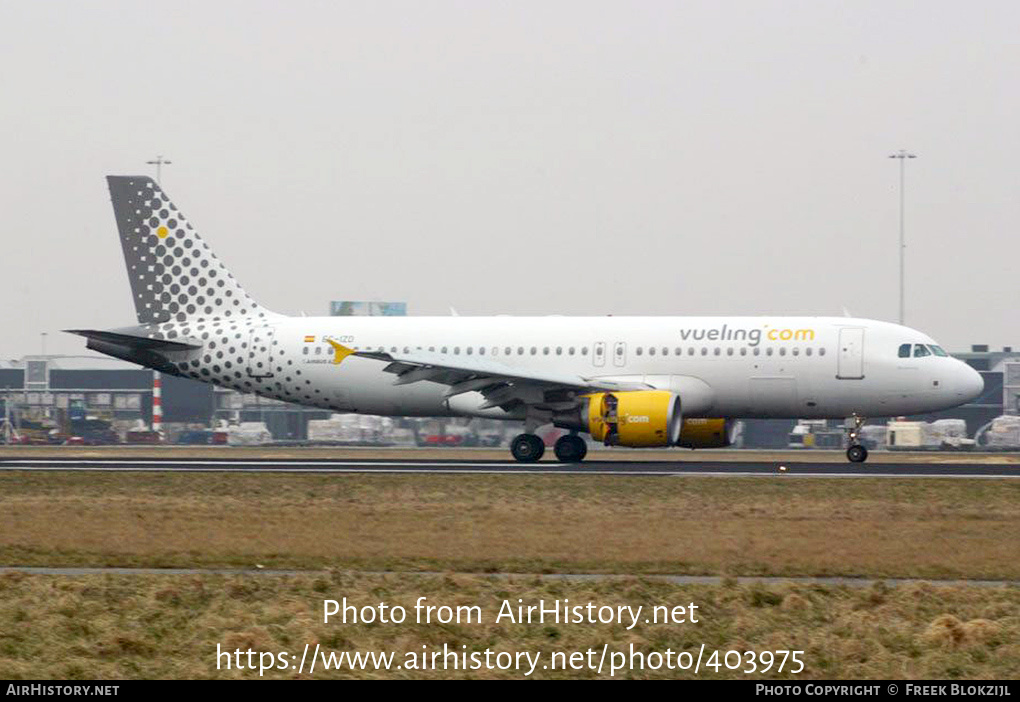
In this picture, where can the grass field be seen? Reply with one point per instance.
(691, 525)
(124, 626)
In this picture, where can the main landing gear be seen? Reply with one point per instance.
(570, 449)
(528, 448)
(856, 452)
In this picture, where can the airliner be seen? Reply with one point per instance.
(625, 381)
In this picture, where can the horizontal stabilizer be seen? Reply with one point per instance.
(133, 342)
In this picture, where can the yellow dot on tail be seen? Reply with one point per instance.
(162, 232)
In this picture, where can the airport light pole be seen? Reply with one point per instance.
(159, 162)
(902, 155)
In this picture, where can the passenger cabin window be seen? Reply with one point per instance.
(904, 351)
(921, 350)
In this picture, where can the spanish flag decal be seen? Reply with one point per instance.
(309, 338)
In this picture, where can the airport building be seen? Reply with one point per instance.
(58, 391)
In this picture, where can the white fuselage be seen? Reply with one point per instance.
(720, 366)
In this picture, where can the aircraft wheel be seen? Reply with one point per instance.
(570, 449)
(857, 454)
(527, 448)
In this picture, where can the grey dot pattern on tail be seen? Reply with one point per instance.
(174, 275)
(182, 291)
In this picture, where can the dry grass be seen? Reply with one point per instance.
(742, 526)
(161, 626)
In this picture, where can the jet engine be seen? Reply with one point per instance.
(707, 433)
(635, 418)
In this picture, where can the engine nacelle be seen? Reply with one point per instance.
(635, 418)
(707, 433)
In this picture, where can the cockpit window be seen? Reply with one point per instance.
(938, 350)
(904, 350)
(921, 350)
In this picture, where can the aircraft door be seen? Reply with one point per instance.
(260, 351)
(620, 354)
(851, 354)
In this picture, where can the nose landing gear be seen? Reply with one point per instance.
(856, 452)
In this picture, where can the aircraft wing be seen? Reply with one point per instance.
(501, 385)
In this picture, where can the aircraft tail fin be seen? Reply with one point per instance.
(175, 276)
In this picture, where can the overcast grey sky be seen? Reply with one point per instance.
(522, 157)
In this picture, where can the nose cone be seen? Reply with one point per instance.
(969, 383)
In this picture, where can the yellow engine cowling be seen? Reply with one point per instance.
(636, 418)
(707, 433)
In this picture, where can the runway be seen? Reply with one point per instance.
(659, 468)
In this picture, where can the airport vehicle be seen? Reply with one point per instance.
(627, 381)
(816, 433)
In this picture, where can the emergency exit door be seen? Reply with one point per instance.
(620, 354)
